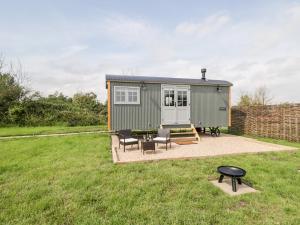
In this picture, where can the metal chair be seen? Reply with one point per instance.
(163, 137)
(126, 138)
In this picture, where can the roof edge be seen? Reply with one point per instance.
(154, 79)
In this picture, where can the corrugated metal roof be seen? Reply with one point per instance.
(166, 80)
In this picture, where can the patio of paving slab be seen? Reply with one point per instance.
(206, 147)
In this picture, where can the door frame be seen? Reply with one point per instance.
(176, 87)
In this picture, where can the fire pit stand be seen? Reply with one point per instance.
(234, 172)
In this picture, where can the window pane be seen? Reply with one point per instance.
(166, 97)
(132, 95)
(122, 96)
(179, 103)
(134, 98)
(171, 98)
(118, 96)
(184, 103)
(179, 97)
(129, 96)
(184, 97)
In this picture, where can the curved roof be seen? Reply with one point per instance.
(166, 80)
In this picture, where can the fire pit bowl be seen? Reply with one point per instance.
(231, 171)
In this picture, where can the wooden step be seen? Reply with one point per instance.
(183, 133)
(181, 129)
(176, 126)
(184, 139)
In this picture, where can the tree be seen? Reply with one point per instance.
(103, 109)
(20, 107)
(87, 101)
(261, 96)
(59, 97)
(11, 90)
(245, 100)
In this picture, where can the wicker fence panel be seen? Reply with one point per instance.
(274, 121)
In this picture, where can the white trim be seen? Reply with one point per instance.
(125, 94)
(172, 115)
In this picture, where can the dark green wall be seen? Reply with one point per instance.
(205, 108)
(144, 116)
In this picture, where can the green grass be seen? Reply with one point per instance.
(15, 131)
(275, 141)
(72, 180)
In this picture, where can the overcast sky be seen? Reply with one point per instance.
(69, 46)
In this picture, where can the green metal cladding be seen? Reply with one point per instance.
(208, 107)
(146, 115)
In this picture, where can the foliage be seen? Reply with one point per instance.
(20, 108)
(245, 100)
(11, 92)
(261, 96)
(72, 180)
(17, 114)
(59, 109)
(86, 101)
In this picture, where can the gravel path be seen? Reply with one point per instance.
(53, 135)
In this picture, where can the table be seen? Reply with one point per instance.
(148, 145)
(231, 171)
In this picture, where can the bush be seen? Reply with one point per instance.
(82, 110)
(17, 115)
(79, 118)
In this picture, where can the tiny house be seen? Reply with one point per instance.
(144, 102)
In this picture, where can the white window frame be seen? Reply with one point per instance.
(127, 89)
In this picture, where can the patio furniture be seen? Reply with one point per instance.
(126, 138)
(163, 137)
(147, 145)
(231, 171)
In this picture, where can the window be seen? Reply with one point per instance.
(120, 95)
(182, 98)
(169, 97)
(126, 95)
(132, 95)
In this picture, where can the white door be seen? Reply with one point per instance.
(175, 104)
(168, 111)
(183, 105)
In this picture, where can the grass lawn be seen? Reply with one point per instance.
(14, 131)
(71, 180)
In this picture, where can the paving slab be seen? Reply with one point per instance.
(207, 147)
(226, 187)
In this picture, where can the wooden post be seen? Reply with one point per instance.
(229, 106)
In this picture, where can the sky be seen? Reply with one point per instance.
(69, 46)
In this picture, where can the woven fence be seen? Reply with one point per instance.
(274, 121)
